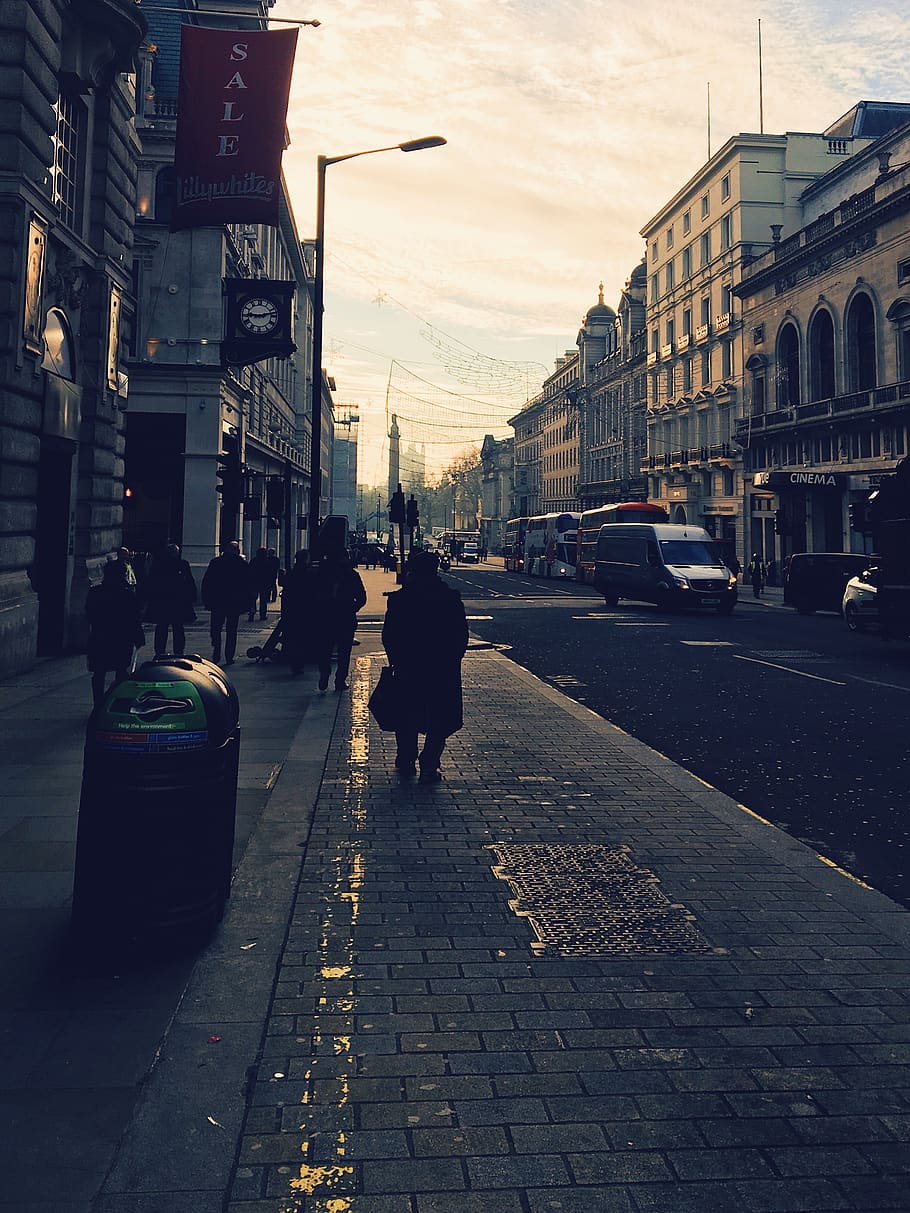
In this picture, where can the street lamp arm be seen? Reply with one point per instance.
(412, 145)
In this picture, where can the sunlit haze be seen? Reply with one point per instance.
(568, 124)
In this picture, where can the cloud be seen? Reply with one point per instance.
(569, 125)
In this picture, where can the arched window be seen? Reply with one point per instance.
(165, 193)
(821, 356)
(899, 315)
(788, 367)
(861, 344)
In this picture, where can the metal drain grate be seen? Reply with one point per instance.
(591, 900)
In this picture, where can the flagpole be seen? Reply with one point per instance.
(214, 12)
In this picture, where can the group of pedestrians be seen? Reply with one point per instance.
(166, 596)
(425, 632)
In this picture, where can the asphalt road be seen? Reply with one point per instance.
(795, 717)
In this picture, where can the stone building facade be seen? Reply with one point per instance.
(68, 151)
(187, 403)
(612, 401)
(826, 351)
(497, 463)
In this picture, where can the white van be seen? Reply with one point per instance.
(469, 553)
(670, 564)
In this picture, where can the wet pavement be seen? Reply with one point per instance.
(569, 977)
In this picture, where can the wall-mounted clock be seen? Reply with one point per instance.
(259, 315)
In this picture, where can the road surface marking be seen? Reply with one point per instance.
(709, 644)
(872, 682)
(773, 665)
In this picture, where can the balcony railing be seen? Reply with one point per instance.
(678, 458)
(722, 322)
(702, 333)
(652, 358)
(684, 342)
(666, 351)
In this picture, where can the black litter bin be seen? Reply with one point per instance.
(159, 797)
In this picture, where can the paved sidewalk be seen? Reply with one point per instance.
(643, 999)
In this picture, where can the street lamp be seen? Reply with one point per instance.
(322, 163)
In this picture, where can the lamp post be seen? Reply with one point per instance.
(322, 163)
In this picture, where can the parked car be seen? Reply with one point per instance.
(860, 605)
(815, 581)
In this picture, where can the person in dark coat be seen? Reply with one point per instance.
(169, 594)
(276, 574)
(114, 629)
(227, 591)
(425, 635)
(295, 630)
(335, 595)
(263, 575)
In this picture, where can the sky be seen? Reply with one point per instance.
(455, 276)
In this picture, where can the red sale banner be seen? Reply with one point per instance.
(231, 112)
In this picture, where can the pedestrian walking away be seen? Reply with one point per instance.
(169, 595)
(295, 629)
(227, 591)
(263, 575)
(335, 595)
(756, 572)
(425, 635)
(114, 629)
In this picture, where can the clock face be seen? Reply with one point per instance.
(259, 315)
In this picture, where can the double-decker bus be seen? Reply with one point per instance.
(592, 520)
(513, 547)
(551, 545)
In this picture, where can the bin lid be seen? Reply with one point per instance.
(167, 705)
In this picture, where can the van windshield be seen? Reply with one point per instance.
(688, 551)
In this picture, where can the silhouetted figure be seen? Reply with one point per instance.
(227, 591)
(114, 629)
(335, 595)
(264, 575)
(425, 635)
(296, 633)
(169, 594)
(756, 572)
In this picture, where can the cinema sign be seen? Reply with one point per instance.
(800, 480)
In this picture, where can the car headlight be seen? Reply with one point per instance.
(681, 583)
(732, 581)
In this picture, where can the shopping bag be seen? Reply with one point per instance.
(383, 702)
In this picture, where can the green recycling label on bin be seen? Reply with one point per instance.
(151, 717)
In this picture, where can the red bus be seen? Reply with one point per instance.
(592, 520)
(513, 548)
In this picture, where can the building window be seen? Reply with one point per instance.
(670, 237)
(687, 262)
(787, 367)
(758, 392)
(726, 299)
(726, 359)
(704, 247)
(726, 231)
(706, 310)
(821, 356)
(687, 223)
(654, 251)
(861, 344)
(671, 331)
(705, 206)
(669, 384)
(671, 277)
(725, 186)
(687, 374)
(655, 288)
(705, 367)
(655, 341)
(68, 155)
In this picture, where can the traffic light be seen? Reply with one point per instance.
(229, 472)
(859, 517)
(412, 512)
(397, 507)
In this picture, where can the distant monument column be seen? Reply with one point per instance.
(394, 457)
